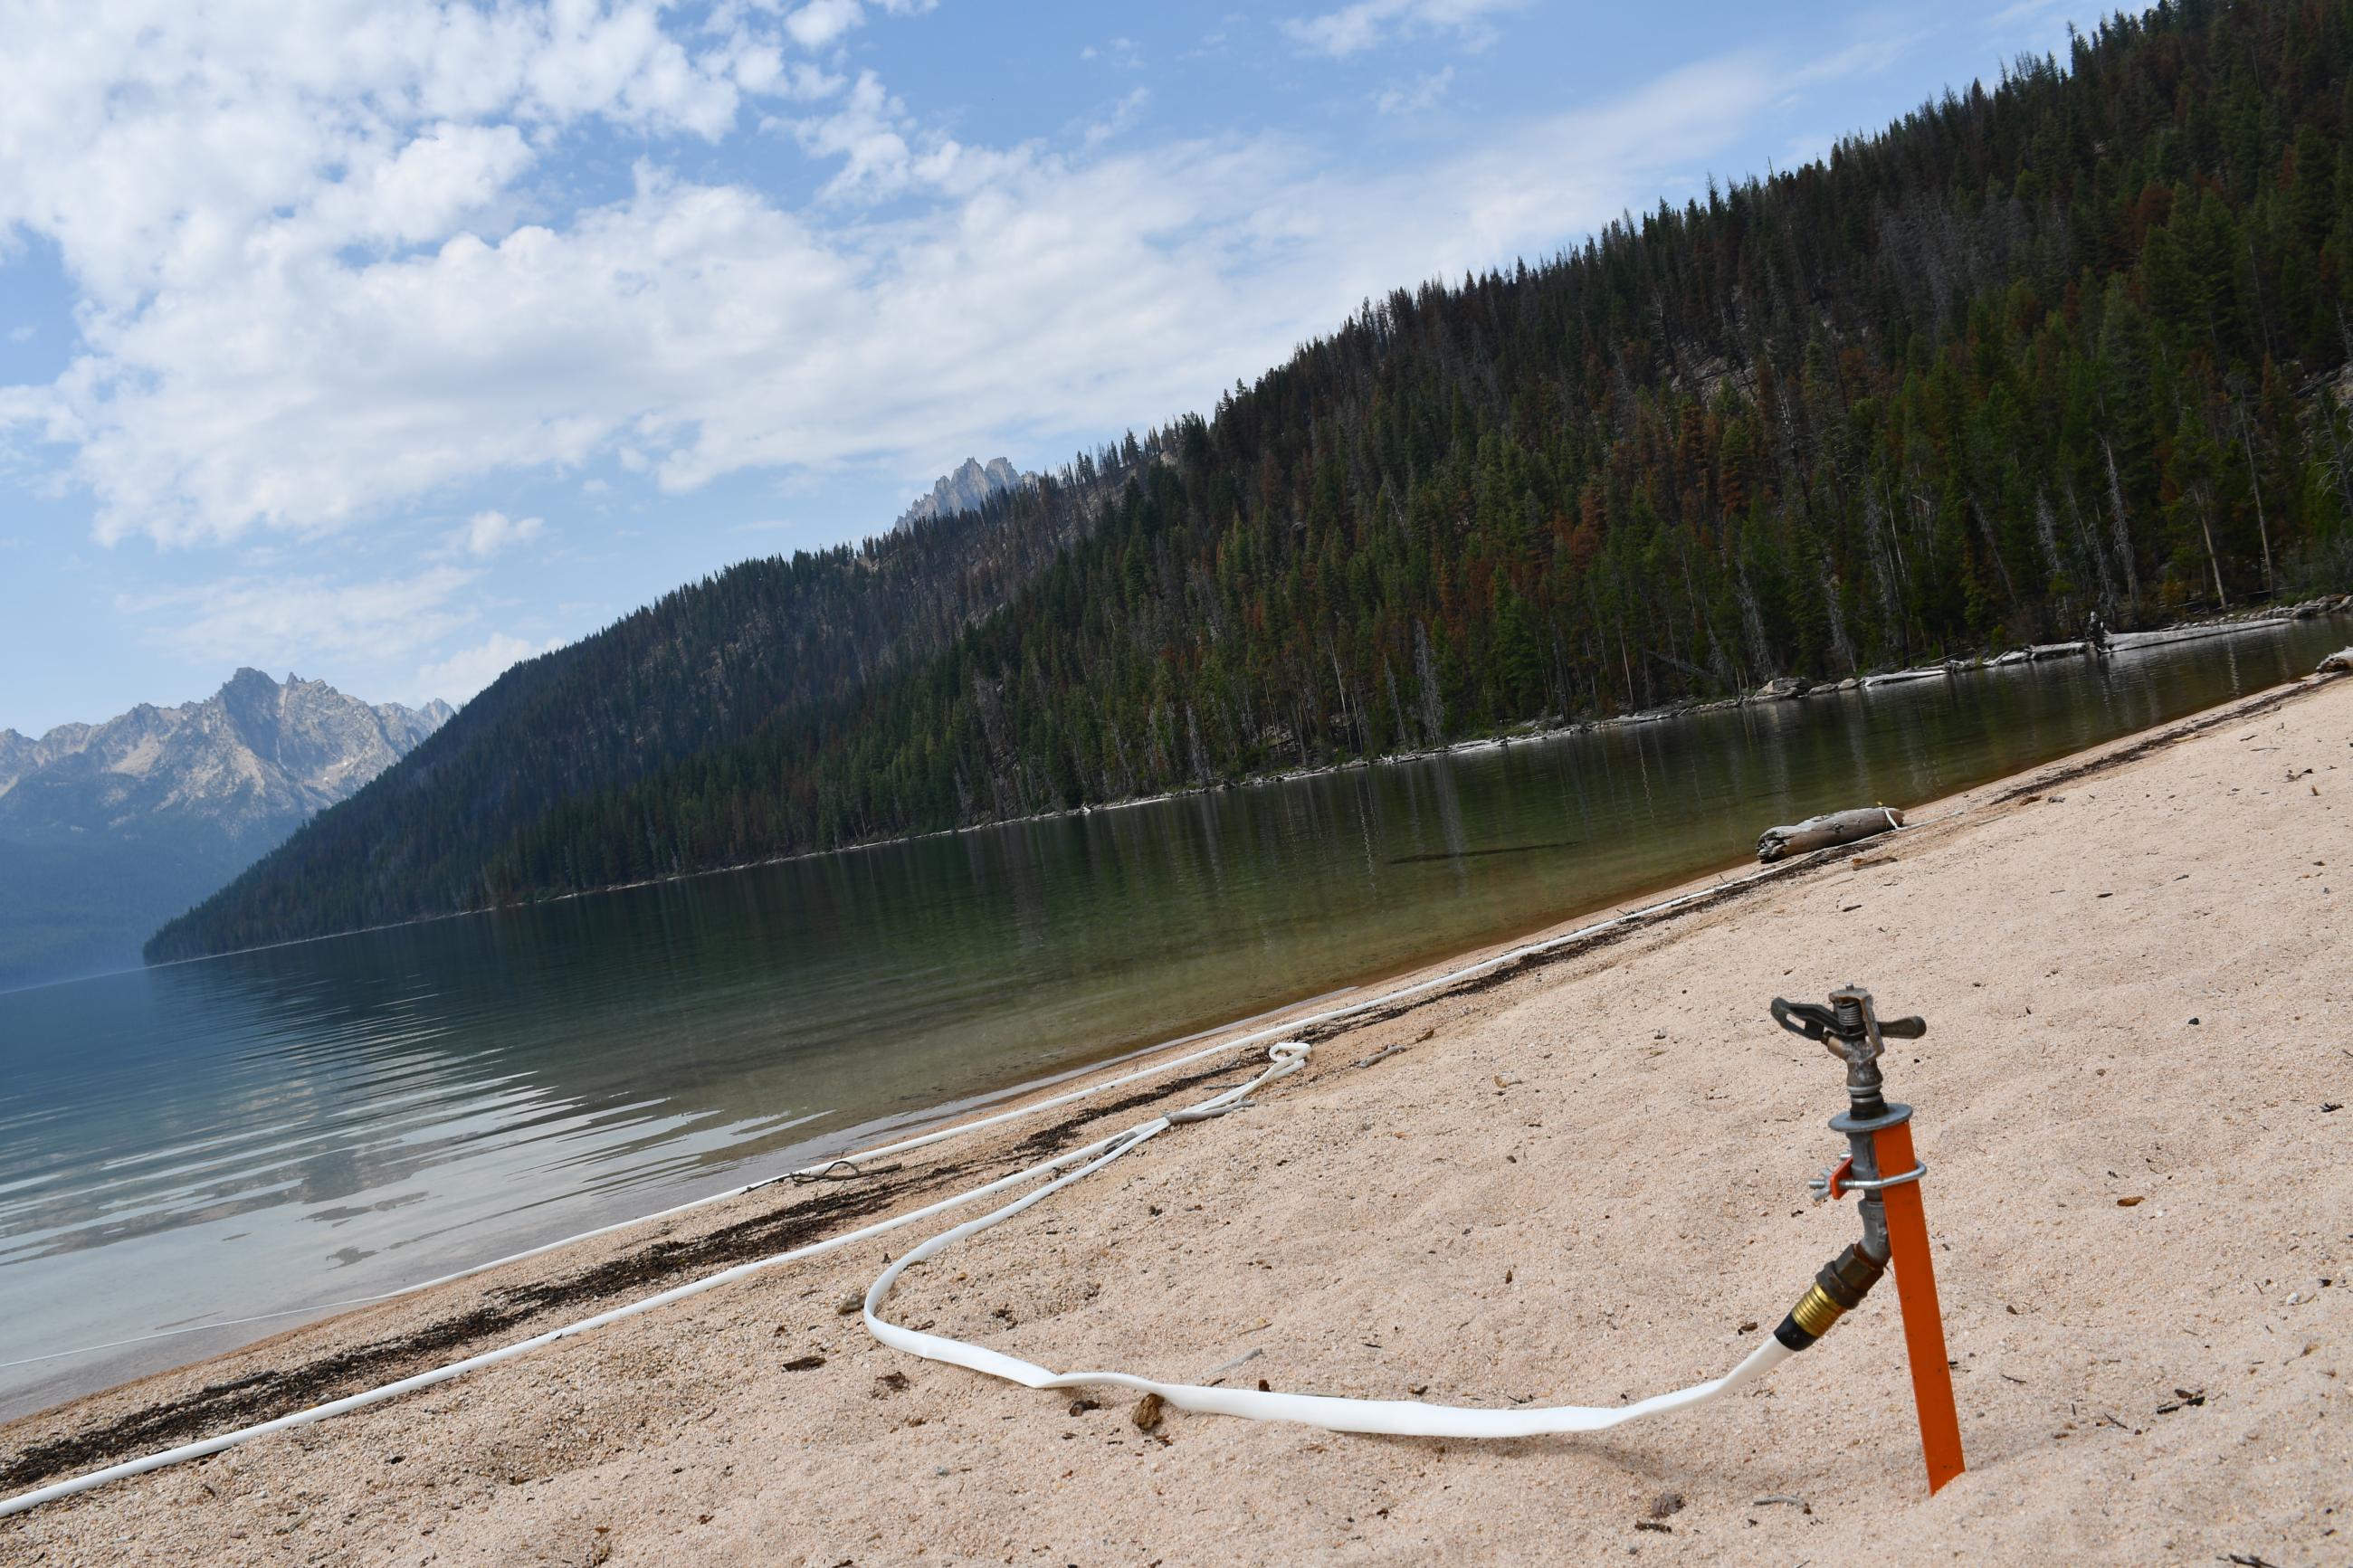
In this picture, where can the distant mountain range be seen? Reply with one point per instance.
(108, 830)
(965, 490)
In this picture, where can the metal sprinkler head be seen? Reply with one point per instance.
(1854, 1034)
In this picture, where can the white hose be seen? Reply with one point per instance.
(1288, 1060)
(1395, 1417)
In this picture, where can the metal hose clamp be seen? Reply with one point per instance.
(1858, 1184)
(1835, 1181)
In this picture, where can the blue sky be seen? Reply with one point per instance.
(388, 340)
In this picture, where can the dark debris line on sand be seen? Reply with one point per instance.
(264, 1395)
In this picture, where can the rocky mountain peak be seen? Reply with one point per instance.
(965, 490)
(107, 830)
(254, 758)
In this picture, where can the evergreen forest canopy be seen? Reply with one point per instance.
(2077, 343)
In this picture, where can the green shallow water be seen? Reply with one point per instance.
(296, 1126)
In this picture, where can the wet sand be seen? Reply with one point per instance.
(1575, 1182)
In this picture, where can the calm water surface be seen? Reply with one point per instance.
(294, 1127)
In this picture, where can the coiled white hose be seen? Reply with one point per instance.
(1395, 1417)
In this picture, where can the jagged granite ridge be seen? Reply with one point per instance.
(107, 829)
(967, 490)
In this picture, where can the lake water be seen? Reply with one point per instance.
(315, 1122)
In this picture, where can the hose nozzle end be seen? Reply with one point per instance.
(1837, 1290)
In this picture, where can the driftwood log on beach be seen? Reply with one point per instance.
(1821, 832)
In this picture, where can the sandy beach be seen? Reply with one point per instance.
(1578, 1181)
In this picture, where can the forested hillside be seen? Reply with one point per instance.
(2069, 344)
(706, 666)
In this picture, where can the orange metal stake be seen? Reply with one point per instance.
(1915, 1293)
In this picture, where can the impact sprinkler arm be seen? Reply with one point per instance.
(1855, 1035)
(1894, 1220)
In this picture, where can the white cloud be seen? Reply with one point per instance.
(823, 22)
(863, 132)
(1886, 39)
(2026, 11)
(1417, 97)
(311, 296)
(1123, 51)
(1368, 24)
(458, 678)
(153, 140)
(280, 622)
(422, 190)
(488, 532)
(1121, 117)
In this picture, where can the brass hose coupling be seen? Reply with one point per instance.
(1837, 1290)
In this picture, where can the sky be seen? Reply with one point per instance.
(390, 342)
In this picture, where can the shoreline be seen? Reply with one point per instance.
(1535, 732)
(1629, 904)
(849, 1144)
(66, 1374)
(139, 1416)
